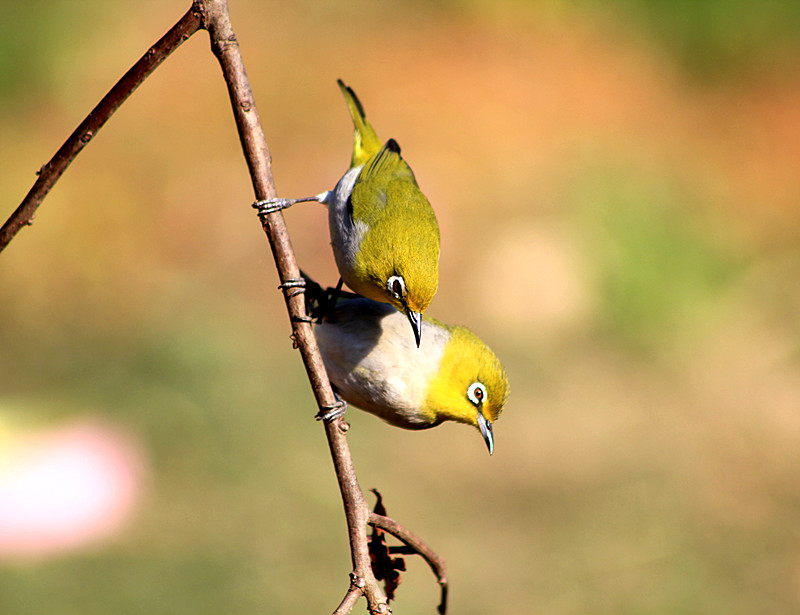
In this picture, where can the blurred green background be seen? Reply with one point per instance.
(618, 189)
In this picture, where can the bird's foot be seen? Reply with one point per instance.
(333, 412)
(270, 206)
(298, 284)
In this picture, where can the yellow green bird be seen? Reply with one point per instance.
(454, 376)
(384, 234)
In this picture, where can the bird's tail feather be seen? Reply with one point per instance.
(365, 139)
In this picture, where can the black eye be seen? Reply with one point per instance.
(476, 393)
(396, 286)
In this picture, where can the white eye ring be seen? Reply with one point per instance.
(396, 286)
(476, 393)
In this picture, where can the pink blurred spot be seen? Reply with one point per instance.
(65, 488)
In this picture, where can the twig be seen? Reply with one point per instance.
(415, 545)
(349, 601)
(50, 172)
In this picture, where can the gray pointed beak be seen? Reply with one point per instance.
(486, 431)
(415, 318)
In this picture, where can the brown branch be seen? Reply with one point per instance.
(50, 172)
(416, 545)
(226, 48)
(349, 601)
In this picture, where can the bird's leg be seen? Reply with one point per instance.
(299, 284)
(269, 206)
(293, 287)
(331, 297)
(329, 413)
(337, 289)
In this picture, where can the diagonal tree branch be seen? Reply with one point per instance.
(350, 599)
(226, 48)
(50, 172)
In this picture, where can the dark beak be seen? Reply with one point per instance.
(486, 431)
(415, 318)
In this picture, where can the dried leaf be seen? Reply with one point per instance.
(385, 566)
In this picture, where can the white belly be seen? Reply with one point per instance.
(372, 359)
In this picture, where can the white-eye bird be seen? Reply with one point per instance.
(384, 234)
(453, 376)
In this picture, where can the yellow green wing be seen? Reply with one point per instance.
(383, 171)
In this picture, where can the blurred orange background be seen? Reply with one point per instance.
(618, 192)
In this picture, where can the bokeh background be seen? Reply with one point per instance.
(618, 189)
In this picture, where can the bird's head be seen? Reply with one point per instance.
(471, 385)
(411, 299)
(401, 260)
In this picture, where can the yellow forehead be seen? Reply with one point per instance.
(467, 360)
(384, 254)
(402, 238)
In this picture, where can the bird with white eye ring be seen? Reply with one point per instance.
(384, 234)
(454, 376)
